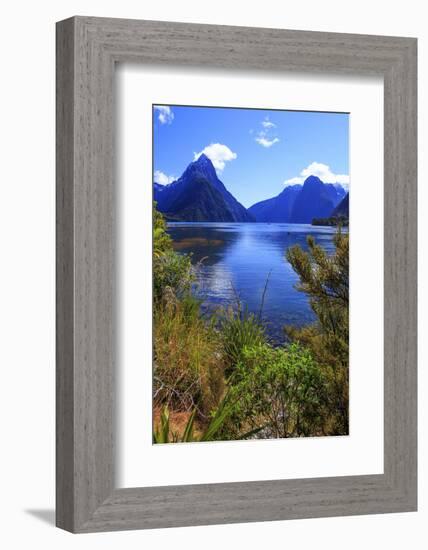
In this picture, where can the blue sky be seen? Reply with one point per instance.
(255, 152)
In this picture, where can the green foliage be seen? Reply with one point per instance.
(239, 331)
(325, 279)
(281, 392)
(161, 240)
(297, 390)
(188, 363)
(165, 434)
(171, 271)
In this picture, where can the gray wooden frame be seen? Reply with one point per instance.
(87, 50)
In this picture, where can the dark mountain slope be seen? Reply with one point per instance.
(199, 202)
(176, 200)
(315, 200)
(342, 209)
(279, 208)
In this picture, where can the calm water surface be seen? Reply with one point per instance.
(237, 259)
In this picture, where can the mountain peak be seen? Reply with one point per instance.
(203, 159)
(312, 180)
(203, 163)
(212, 202)
(203, 166)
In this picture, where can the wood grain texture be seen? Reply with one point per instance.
(64, 276)
(87, 49)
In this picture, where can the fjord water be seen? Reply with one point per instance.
(236, 259)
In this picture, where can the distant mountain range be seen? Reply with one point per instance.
(199, 195)
(300, 203)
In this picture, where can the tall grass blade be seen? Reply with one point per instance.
(217, 421)
(188, 431)
(262, 304)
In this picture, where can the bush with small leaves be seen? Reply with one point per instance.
(281, 392)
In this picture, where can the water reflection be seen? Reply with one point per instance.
(237, 259)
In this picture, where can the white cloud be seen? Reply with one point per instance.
(266, 137)
(267, 123)
(323, 172)
(294, 181)
(266, 142)
(165, 116)
(218, 154)
(163, 179)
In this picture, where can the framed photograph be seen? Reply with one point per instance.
(240, 339)
(236, 274)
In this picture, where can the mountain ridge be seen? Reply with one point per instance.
(199, 195)
(300, 203)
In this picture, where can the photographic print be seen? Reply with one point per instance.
(250, 274)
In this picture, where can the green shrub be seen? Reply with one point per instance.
(324, 279)
(171, 271)
(281, 392)
(238, 332)
(161, 240)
